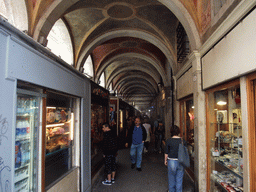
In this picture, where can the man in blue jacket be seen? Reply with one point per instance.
(136, 136)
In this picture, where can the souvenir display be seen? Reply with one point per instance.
(225, 136)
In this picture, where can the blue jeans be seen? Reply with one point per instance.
(136, 150)
(175, 175)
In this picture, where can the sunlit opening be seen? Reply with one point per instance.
(59, 42)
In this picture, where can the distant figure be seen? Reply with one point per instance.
(149, 132)
(136, 136)
(175, 169)
(156, 124)
(112, 116)
(159, 136)
(110, 148)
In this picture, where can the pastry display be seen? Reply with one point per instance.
(57, 129)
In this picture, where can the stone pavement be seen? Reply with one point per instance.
(152, 178)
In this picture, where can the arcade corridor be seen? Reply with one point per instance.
(68, 66)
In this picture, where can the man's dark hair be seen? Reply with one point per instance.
(106, 125)
(175, 130)
(138, 117)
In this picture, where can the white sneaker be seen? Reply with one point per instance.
(106, 182)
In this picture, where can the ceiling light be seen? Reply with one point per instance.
(221, 103)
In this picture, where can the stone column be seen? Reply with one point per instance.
(168, 110)
(199, 126)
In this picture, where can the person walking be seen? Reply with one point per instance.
(136, 136)
(175, 169)
(110, 148)
(159, 136)
(148, 130)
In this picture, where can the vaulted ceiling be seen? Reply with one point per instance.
(133, 42)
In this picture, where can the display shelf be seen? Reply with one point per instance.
(55, 124)
(22, 111)
(220, 186)
(22, 166)
(21, 173)
(228, 169)
(229, 188)
(21, 177)
(21, 185)
(22, 138)
(23, 115)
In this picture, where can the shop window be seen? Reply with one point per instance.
(251, 128)
(225, 139)
(97, 119)
(187, 127)
(59, 136)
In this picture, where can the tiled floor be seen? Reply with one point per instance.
(152, 178)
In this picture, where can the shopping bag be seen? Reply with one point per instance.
(183, 156)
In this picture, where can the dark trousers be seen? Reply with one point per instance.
(110, 164)
(146, 144)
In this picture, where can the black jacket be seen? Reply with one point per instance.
(130, 132)
(109, 144)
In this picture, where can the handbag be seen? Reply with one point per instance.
(183, 156)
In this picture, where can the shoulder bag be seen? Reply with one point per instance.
(183, 156)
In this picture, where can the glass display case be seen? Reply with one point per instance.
(26, 141)
(225, 139)
(58, 129)
(58, 136)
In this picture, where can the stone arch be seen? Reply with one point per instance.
(159, 69)
(151, 81)
(144, 83)
(115, 73)
(128, 33)
(50, 16)
(57, 8)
